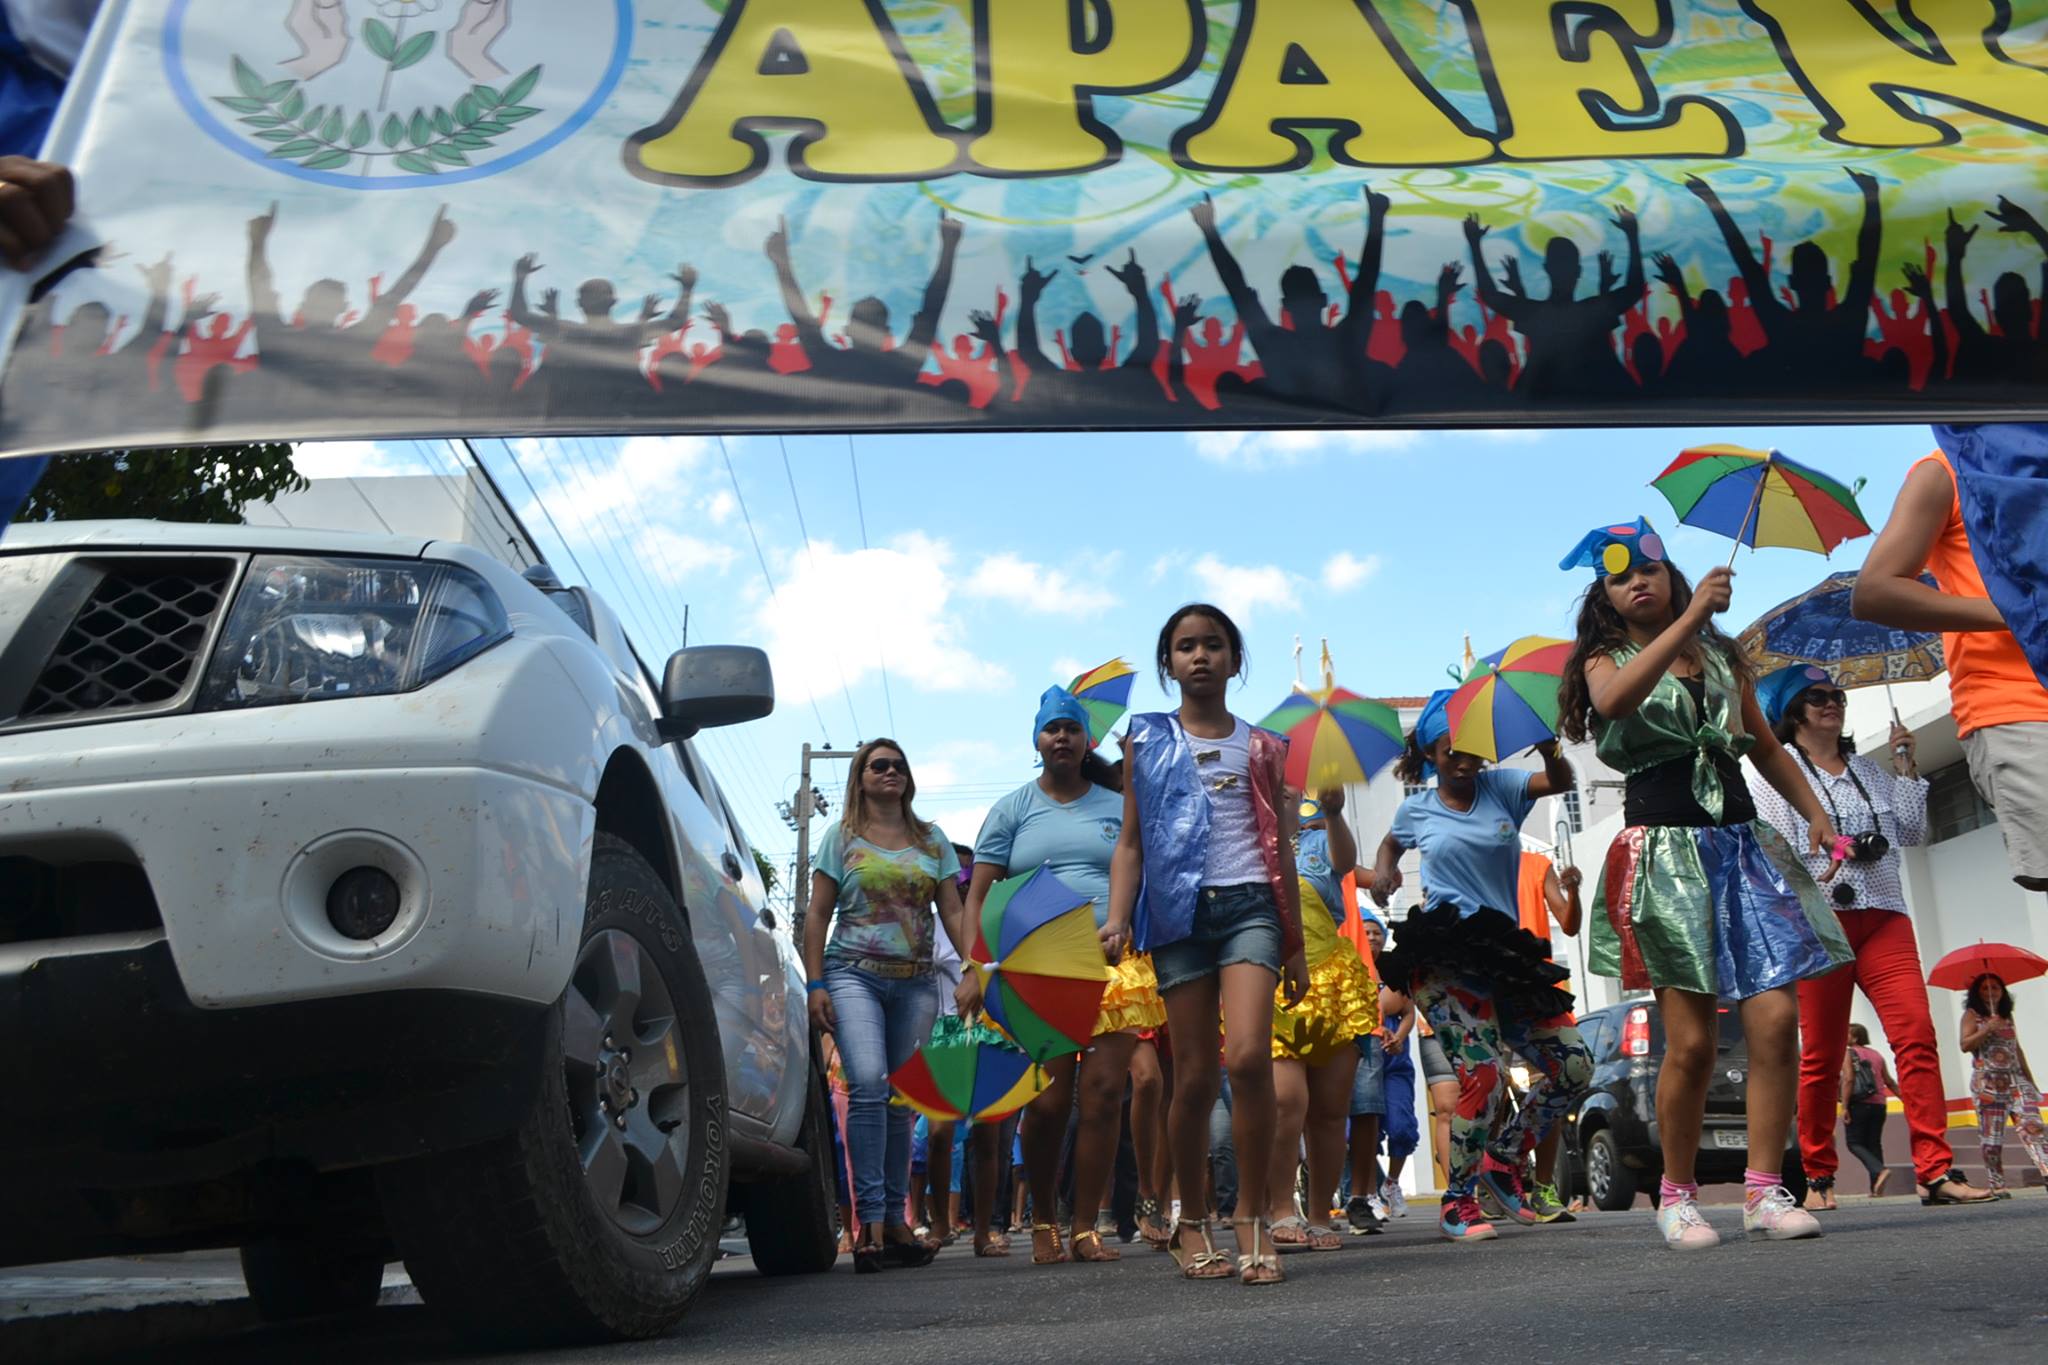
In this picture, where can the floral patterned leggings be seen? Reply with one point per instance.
(2002, 1093)
(1477, 1040)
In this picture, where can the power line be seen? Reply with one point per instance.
(881, 656)
(824, 730)
(561, 539)
(812, 557)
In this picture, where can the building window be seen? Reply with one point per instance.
(1953, 806)
(1574, 813)
(1413, 788)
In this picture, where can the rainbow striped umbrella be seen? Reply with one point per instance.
(1761, 498)
(1508, 701)
(1105, 694)
(967, 1071)
(1041, 964)
(1335, 737)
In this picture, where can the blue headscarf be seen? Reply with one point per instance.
(1056, 703)
(1777, 690)
(1432, 725)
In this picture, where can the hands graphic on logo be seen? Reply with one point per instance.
(320, 28)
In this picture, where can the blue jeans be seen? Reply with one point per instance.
(881, 1023)
(1402, 1130)
(1232, 924)
(1368, 1085)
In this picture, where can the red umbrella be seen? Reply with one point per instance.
(1956, 971)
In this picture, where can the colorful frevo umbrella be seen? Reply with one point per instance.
(1508, 701)
(1105, 694)
(1041, 965)
(1335, 737)
(1958, 969)
(1760, 498)
(967, 1072)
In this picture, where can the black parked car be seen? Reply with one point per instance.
(1610, 1137)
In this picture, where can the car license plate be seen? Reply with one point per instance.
(1732, 1139)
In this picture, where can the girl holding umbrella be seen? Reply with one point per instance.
(1879, 811)
(1699, 900)
(1068, 819)
(2000, 1080)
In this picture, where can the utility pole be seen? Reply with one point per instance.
(807, 803)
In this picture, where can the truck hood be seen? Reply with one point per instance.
(34, 537)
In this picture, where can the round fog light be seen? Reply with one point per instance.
(363, 902)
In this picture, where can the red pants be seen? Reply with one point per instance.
(1887, 967)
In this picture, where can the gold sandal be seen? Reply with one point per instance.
(1206, 1264)
(1102, 1251)
(1059, 1253)
(1256, 1266)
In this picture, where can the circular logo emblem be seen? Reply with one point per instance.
(393, 94)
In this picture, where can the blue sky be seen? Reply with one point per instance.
(998, 565)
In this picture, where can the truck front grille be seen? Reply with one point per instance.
(136, 641)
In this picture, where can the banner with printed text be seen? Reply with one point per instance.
(390, 218)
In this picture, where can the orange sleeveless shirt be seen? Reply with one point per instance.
(1990, 681)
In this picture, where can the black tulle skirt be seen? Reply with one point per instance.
(1489, 949)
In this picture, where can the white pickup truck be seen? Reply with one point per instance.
(362, 899)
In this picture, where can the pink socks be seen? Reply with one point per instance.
(1755, 1182)
(1669, 1192)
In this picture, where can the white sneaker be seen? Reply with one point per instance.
(1378, 1206)
(1395, 1201)
(1773, 1216)
(1684, 1227)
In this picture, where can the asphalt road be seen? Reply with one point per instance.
(1891, 1281)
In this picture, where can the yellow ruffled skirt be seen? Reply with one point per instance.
(1342, 1004)
(1131, 1000)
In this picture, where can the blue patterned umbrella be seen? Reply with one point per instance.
(1816, 627)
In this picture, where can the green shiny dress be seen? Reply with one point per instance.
(1724, 910)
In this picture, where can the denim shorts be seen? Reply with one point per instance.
(1232, 924)
(1369, 1084)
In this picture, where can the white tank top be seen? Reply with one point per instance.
(1223, 767)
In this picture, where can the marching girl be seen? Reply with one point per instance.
(1699, 900)
(1315, 1049)
(1486, 985)
(1209, 836)
(1068, 819)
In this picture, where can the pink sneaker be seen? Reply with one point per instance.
(1771, 1216)
(1684, 1227)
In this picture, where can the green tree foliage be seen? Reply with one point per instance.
(195, 483)
(769, 878)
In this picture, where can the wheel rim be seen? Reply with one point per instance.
(1598, 1176)
(628, 1080)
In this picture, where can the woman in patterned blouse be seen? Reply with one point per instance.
(1863, 799)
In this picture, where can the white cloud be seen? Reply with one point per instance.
(672, 557)
(841, 614)
(1510, 436)
(1243, 589)
(1345, 571)
(720, 507)
(635, 491)
(1066, 668)
(1007, 578)
(1264, 449)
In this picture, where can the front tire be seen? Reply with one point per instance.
(598, 1217)
(1609, 1184)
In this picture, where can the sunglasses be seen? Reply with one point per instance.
(885, 766)
(1826, 696)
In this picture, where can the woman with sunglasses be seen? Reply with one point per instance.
(1878, 810)
(878, 873)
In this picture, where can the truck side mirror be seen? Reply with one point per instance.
(707, 686)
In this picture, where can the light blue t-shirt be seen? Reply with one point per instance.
(1471, 859)
(1027, 828)
(1312, 860)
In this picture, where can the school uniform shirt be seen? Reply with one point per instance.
(1470, 859)
(1312, 862)
(1027, 829)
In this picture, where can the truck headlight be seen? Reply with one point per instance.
(309, 629)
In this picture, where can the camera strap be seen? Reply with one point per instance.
(1827, 792)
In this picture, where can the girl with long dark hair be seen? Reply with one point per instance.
(878, 873)
(1209, 834)
(2001, 1082)
(1699, 900)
